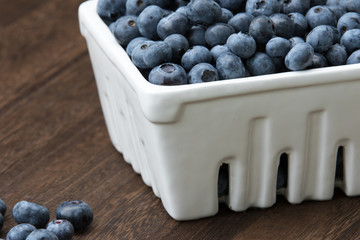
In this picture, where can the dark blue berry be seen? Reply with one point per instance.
(292, 6)
(148, 20)
(182, 10)
(299, 23)
(230, 66)
(3, 207)
(173, 23)
(283, 25)
(196, 36)
(203, 72)
(336, 55)
(179, 45)
(125, 29)
(260, 64)
(1, 221)
(134, 7)
(218, 50)
(156, 53)
(242, 44)
(354, 58)
(277, 47)
(348, 21)
(232, 5)
(351, 40)
(204, 12)
(77, 212)
(29, 212)
(351, 5)
(295, 40)
(168, 74)
(241, 21)
(110, 10)
(226, 15)
(138, 52)
(318, 61)
(263, 7)
(133, 43)
(299, 57)
(338, 10)
(63, 229)
(195, 55)
(41, 234)
(320, 38)
(320, 15)
(20, 231)
(218, 33)
(262, 29)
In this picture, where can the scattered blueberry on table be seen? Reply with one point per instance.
(79, 213)
(29, 212)
(62, 228)
(260, 33)
(20, 231)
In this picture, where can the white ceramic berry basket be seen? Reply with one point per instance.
(177, 137)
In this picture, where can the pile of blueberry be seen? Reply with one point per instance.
(33, 220)
(192, 41)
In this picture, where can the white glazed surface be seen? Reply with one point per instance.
(176, 137)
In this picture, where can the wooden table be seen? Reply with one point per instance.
(54, 146)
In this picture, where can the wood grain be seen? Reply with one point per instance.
(54, 146)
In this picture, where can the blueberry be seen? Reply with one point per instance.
(156, 53)
(218, 33)
(173, 23)
(204, 12)
(260, 64)
(29, 212)
(134, 7)
(318, 61)
(196, 36)
(110, 10)
(230, 66)
(1, 221)
(133, 43)
(148, 20)
(77, 212)
(262, 29)
(242, 44)
(317, 2)
(338, 10)
(63, 229)
(125, 29)
(232, 5)
(283, 25)
(320, 15)
(348, 21)
(299, 23)
(351, 40)
(299, 57)
(279, 64)
(320, 38)
(179, 45)
(226, 15)
(168, 74)
(195, 55)
(217, 50)
(203, 72)
(278, 47)
(182, 10)
(241, 21)
(2, 207)
(351, 5)
(41, 234)
(292, 6)
(354, 58)
(263, 7)
(295, 40)
(138, 52)
(336, 55)
(20, 231)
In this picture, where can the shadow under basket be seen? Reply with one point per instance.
(240, 141)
